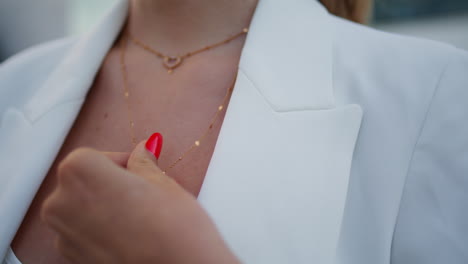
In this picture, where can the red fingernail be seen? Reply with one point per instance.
(154, 144)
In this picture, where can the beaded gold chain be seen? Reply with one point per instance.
(172, 62)
(197, 142)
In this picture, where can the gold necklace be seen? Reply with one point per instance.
(172, 62)
(197, 143)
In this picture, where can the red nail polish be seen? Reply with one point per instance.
(154, 144)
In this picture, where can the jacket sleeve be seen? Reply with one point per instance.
(432, 225)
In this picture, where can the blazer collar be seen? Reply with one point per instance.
(291, 69)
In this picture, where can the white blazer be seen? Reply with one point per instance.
(370, 156)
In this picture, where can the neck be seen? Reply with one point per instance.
(182, 25)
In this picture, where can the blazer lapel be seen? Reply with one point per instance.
(277, 183)
(41, 125)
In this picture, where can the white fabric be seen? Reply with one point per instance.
(296, 177)
(10, 258)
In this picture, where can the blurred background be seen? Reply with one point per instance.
(24, 23)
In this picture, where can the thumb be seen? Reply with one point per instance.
(143, 162)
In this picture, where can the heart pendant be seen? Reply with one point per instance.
(172, 62)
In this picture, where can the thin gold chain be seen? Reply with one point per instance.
(198, 142)
(172, 62)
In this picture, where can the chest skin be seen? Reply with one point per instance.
(179, 105)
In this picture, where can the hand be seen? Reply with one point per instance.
(106, 213)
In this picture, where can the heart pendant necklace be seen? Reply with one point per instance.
(170, 63)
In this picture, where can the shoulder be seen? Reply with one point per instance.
(361, 38)
(394, 54)
(28, 69)
(404, 74)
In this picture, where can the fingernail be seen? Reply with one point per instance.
(154, 144)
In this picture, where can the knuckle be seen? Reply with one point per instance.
(143, 162)
(49, 209)
(142, 165)
(74, 162)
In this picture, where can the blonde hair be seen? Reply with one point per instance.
(355, 10)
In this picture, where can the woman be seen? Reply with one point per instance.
(340, 143)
